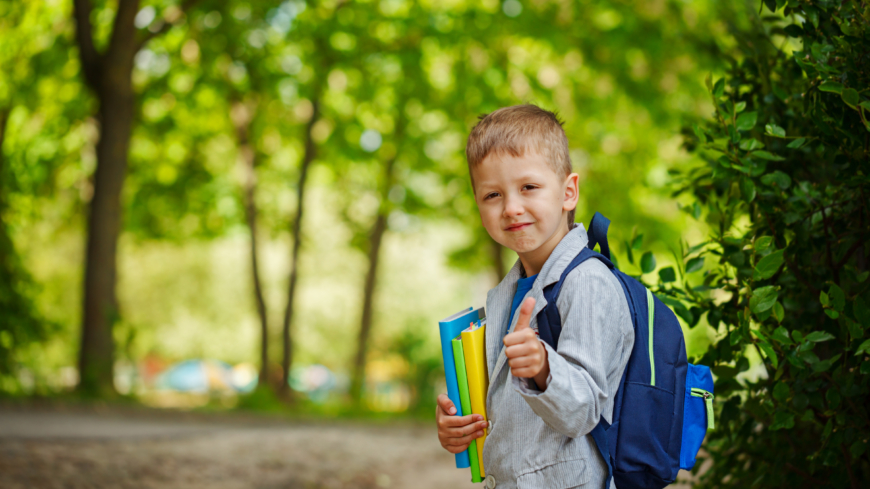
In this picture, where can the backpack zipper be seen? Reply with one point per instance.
(650, 308)
(708, 401)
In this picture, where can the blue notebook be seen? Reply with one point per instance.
(450, 328)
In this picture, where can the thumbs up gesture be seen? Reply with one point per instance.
(525, 353)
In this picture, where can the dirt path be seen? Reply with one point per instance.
(72, 450)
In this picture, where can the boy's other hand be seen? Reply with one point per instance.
(526, 354)
(456, 432)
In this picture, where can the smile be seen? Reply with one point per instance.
(518, 226)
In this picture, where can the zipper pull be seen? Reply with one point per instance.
(708, 400)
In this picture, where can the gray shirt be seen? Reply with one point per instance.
(541, 439)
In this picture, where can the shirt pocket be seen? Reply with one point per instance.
(560, 475)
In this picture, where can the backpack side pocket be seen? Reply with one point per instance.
(697, 413)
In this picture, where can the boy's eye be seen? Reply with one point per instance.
(529, 187)
(490, 195)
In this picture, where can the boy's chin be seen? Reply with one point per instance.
(522, 245)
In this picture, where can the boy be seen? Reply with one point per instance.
(542, 403)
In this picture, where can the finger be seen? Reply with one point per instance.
(446, 404)
(520, 350)
(455, 449)
(465, 440)
(524, 372)
(458, 432)
(519, 337)
(456, 421)
(522, 362)
(525, 314)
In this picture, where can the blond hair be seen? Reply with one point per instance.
(516, 129)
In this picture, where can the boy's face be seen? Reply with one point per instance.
(524, 204)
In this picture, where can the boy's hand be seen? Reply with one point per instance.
(526, 355)
(456, 432)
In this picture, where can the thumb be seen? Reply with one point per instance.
(446, 404)
(525, 314)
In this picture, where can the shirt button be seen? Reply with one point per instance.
(490, 482)
(488, 426)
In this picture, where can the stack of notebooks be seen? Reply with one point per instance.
(464, 350)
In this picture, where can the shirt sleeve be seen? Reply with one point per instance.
(594, 347)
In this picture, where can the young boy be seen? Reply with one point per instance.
(542, 403)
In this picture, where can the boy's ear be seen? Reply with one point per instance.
(572, 192)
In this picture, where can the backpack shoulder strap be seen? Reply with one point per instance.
(549, 320)
(598, 234)
(550, 328)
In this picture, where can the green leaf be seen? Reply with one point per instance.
(862, 312)
(637, 242)
(768, 265)
(855, 329)
(699, 133)
(780, 334)
(833, 397)
(832, 87)
(695, 264)
(797, 143)
(782, 420)
(751, 144)
(747, 121)
(763, 298)
(794, 30)
(813, 15)
(823, 298)
(858, 448)
(766, 155)
(774, 130)
(747, 186)
(850, 96)
(780, 179)
(778, 312)
(863, 348)
(781, 391)
(647, 262)
(798, 336)
(863, 276)
(819, 336)
(838, 298)
(832, 313)
(667, 275)
(769, 352)
(739, 107)
(695, 248)
(824, 365)
(629, 253)
(762, 244)
(719, 88)
(866, 105)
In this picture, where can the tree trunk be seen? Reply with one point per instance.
(308, 157)
(7, 250)
(241, 116)
(109, 75)
(375, 240)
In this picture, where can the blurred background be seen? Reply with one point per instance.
(265, 205)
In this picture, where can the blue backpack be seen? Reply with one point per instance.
(664, 405)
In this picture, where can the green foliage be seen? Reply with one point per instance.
(787, 257)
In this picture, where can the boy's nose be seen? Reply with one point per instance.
(513, 207)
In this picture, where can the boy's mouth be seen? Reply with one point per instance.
(518, 226)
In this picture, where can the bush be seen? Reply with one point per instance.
(785, 191)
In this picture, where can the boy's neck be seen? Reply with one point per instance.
(533, 261)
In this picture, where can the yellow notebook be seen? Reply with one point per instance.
(474, 348)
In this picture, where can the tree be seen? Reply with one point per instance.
(784, 189)
(109, 75)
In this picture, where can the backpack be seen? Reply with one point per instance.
(664, 405)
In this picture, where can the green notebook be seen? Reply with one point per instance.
(462, 380)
